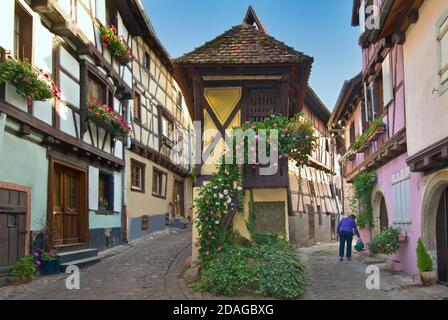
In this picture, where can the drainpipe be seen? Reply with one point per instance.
(2, 129)
(126, 146)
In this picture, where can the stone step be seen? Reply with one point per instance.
(68, 257)
(81, 263)
(4, 274)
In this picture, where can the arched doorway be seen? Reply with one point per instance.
(384, 219)
(442, 237)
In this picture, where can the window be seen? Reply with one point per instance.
(97, 89)
(105, 192)
(111, 15)
(23, 34)
(442, 39)
(137, 176)
(146, 61)
(387, 80)
(167, 131)
(401, 198)
(352, 134)
(137, 107)
(159, 183)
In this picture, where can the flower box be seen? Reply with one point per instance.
(105, 117)
(116, 44)
(364, 147)
(31, 83)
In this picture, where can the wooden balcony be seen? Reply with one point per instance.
(253, 179)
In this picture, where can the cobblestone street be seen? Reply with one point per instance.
(331, 279)
(150, 268)
(145, 270)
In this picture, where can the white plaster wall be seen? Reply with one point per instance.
(426, 112)
(70, 91)
(69, 63)
(43, 110)
(85, 23)
(100, 11)
(67, 124)
(118, 152)
(13, 98)
(43, 46)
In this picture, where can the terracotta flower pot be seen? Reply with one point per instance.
(428, 278)
(16, 281)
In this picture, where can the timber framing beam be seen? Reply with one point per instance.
(430, 158)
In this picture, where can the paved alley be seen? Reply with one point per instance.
(146, 270)
(331, 279)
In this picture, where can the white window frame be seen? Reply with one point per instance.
(388, 93)
(442, 67)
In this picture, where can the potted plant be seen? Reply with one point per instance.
(386, 242)
(103, 204)
(23, 271)
(47, 263)
(30, 83)
(116, 44)
(424, 263)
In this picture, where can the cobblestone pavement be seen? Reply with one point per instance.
(142, 270)
(149, 268)
(331, 279)
(145, 269)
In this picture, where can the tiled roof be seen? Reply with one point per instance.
(244, 44)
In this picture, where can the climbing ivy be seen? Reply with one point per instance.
(363, 185)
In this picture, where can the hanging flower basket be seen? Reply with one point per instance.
(108, 119)
(31, 83)
(116, 44)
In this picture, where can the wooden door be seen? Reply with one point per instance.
(13, 209)
(384, 220)
(442, 238)
(178, 198)
(67, 213)
(311, 223)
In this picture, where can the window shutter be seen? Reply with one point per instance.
(94, 174)
(387, 80)
(362, 16)
(117, 191)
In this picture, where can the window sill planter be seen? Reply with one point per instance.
(103, 212)
(50, 268)
(106, 125)
(363, 148)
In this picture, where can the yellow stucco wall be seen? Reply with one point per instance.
(139, 204)
(240, 219)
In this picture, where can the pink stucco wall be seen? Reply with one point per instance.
(405, 260)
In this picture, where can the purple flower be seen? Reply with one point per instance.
(38, 263)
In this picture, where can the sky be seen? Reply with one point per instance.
(320, 29)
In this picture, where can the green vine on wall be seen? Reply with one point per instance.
(364, 184)
(224, 193)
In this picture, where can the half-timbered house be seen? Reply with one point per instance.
(247, 75)
(159, 190)
(61, 172)
(372, 109)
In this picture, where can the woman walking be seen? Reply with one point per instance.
(346, 229)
